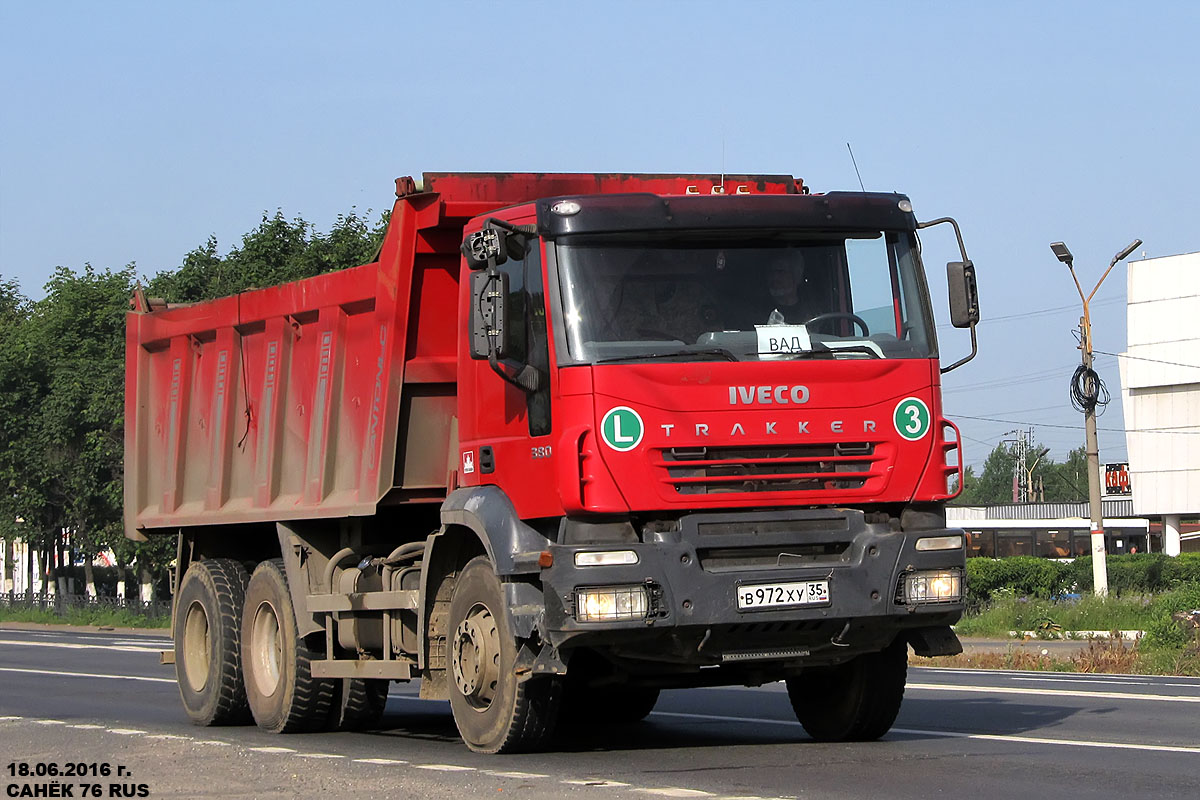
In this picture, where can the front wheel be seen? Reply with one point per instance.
(855, 701)
(494, 712)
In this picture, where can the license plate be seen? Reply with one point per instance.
(779, 595)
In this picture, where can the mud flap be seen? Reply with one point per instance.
(937, 641)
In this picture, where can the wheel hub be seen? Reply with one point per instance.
(197, 647)
(267, 650)
(475, 657)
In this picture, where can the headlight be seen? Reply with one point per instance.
(954, 542)
(611, 603)
(604, 558)
(931, 586)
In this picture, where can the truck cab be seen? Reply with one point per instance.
(722, 409)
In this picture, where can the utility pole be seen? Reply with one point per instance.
(1088, 393)
(1031, 494)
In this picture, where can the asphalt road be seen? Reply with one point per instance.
(91, 699)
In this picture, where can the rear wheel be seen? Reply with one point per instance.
(283, 695)
(494, 712)
(855, 701)
(207, 632)
(358, 704)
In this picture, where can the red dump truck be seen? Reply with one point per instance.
(572, 439)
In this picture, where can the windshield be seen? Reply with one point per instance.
(787, 295)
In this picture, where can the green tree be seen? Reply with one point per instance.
(1068, 482)
(62, 378)
(277, 251)
(994, 484)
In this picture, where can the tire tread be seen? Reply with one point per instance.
(227, 579)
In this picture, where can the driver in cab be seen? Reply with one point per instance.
(788, 290)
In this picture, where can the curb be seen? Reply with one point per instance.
(1079, 636)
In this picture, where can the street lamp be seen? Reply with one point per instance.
(1091, 391)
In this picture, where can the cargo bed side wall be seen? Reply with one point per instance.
(330, 363)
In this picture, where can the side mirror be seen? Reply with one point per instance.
(485, 248)
(964, 294)
(488, 334)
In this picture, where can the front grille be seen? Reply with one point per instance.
(783, 468)
(730, 559)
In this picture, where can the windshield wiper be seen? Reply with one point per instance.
(827, 352)
(728, 355)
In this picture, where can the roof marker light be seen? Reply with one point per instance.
(905, 206)
(566, 208)
(718, 190)
(743, 189)
(692, 190)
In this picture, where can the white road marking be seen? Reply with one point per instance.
(87, 727)
(214, 742)
(78, 646)
(87, 675)
(49, 722)
(598, 782)
(383, 761)
(9, 719)
(445, 767)
(1012, 673)
(166, 736)
(673, 792)
(270, 749)
(1106, 680)
(994, 737)
(518, 775)
(318, 755)
(945, 687)
(125, 731)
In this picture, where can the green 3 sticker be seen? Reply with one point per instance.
(911, 418)
(622, 428)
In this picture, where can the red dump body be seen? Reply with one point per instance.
(321, 398)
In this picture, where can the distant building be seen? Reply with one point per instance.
(1160, 393)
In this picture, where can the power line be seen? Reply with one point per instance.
(1038, 313)
(1080, 427)
(1032, 377)
(1143, 358)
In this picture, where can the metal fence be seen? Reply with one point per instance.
(60, 603)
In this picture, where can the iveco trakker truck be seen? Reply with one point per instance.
(570, 440)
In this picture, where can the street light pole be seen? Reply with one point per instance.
(1091, 390)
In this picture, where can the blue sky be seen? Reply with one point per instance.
(130, 132)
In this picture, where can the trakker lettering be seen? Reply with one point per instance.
(766, 395)
(768, 428)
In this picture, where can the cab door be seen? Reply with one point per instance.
(505, 431)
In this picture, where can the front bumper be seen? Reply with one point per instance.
(692, 574)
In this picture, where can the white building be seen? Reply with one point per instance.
(1160, 391)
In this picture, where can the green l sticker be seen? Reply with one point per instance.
(911, 418)
(622, 429)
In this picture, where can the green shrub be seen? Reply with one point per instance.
(1165, 632)
(1026, 576)
(1140, 573)
(1183, 568)
(1182, 598)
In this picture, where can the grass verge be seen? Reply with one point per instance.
(1110, 656)
(101, 617)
